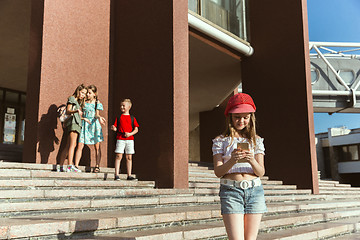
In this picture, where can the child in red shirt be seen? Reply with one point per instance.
(126, 127)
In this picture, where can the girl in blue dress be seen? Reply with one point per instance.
(91, 133)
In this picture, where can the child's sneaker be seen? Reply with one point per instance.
(77, 169)
(60, 168)
(72, 168)
(131, 178)
(117, 178)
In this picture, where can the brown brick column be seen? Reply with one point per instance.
(277, 76)
(69, 45)
(150, 66)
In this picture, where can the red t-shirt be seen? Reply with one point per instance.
(124, 126)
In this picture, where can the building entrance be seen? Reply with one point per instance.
(12, 124)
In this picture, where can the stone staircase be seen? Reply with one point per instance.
(38, 203)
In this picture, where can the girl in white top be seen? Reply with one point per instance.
(240, 168)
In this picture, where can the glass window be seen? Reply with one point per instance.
(11, 97)
(353, 152)
(193, 5)
(314, 76)
(343, 154)
(349, 153)
(230, 15)
(348, 76)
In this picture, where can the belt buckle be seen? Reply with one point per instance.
(245, 184)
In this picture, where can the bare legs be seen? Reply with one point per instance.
(72, 145)
(118, 158)
(78, 154)
(64, 153)
(242, 227)
(128, 163)
(97, 154)
(252, 225)
(79, 150)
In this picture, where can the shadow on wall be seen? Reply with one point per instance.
(47, 137)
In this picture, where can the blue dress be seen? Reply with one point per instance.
(91, 133)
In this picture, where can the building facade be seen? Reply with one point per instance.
(177, 75)
(338, 155)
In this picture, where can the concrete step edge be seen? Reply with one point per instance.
(89, 204)
(191, 231)
(34, 194)
(45, 167)
(56, 223)
(285, 220)
(31, 183)
(316, 231)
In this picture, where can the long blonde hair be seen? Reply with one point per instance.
(248, 132)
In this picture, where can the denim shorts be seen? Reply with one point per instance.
(235, 200)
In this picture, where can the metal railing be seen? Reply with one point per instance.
(336, 55)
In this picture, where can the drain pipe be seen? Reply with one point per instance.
(222, 37)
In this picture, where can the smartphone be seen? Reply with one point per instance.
(243, 146)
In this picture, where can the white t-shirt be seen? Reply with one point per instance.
(221, 145)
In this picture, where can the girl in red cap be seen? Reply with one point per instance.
(238, 157)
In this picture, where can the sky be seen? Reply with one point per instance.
(334, 21)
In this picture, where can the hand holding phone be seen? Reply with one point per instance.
(243, 146)
(240, 148)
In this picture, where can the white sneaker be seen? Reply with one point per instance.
(72, 168)
(77, 170)
(60, 168)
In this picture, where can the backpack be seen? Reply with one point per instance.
(61, 111)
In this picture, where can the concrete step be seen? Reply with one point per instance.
(306, 206)
(31, 202)
(290, 220)
(36, 201)
(334, 185)
(351, 236)
(45, 167)
(117, 220)
(201, 164)
(43, 194)
(347, 189)
(196, 231)
(71, 183)
(17, 207)
(201, 168)
(323, 197)
(348, 192)
(202, 174)
(41, 174)
(316, 231)
(196, 220)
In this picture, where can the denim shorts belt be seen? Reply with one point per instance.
(244, 184)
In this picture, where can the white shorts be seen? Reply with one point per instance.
(127, 145)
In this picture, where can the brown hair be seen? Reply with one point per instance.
(76, 94)
(93, 88)
(248, 132)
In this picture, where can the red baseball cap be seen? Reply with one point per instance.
(240, 103)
